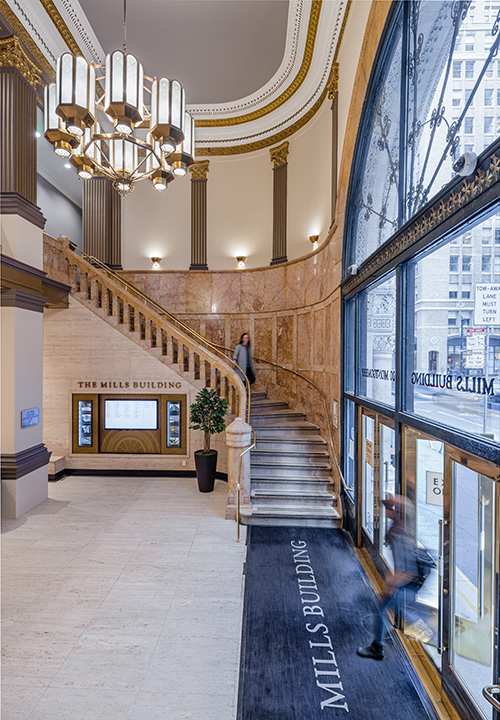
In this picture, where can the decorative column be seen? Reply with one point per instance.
(199, 215)
(333, 88)
(24, 457)
(102, 221)
(278, 156)
(19, 78)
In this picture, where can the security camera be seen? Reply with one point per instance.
(352, 270)
(466, 164)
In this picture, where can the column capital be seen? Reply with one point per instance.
(199, 170)
(13, 54)
(279, 154)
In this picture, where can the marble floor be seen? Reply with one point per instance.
(122, 598)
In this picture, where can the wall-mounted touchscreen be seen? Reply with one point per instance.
(131, 414)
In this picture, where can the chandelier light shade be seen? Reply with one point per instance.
(184, 155)
(75, 82)
(114, 121)
(64, 143)
(168, 102)
(124, 90)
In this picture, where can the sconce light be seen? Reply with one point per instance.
(156, 262)
(240, 259)
(314, 239)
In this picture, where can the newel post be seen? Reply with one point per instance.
(238, 439)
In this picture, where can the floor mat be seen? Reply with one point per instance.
(308, 607)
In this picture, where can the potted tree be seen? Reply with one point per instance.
(207, 413)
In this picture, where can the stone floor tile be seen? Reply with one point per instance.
(71, 703)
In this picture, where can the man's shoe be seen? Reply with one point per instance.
(375, 651)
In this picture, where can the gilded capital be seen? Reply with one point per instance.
(13, 54)
(333, 83)
(199, 170)
(279, 154)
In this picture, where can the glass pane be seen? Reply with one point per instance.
(173, 424)
(387, 483)
(349, 443)
(368, 474)
(84, 423)
(453, 328)
(377, 350)
(472, 586)
(450, 106)
(349, 329)
(376, 197)
(424, 467)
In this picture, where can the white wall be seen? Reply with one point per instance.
(63, 216)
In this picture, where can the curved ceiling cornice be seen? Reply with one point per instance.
(278, 109)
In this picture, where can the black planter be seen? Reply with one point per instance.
(205, 469)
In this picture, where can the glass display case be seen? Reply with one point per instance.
(84, 423)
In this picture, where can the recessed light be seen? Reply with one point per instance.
(67, 165)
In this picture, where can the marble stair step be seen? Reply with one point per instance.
(284, 457)
(264, 470)
(327, 517)
(291, 430)
(261, 407)
(290, 484)
(264, 499)
(277, 418)
(259, 395)
(291, 445)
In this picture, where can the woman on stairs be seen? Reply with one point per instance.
(243, 358)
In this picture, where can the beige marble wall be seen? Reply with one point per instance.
(81, 347)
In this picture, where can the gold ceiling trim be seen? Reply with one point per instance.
(26, 38)
(61, 27)
(290, 90)
(261, 144)
(13, 54)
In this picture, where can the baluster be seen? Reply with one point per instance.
(202, 373)
(213, 377)
(115, 307)
(137, 321)
(84, 283)
(94, 291)
(147, 329)
(73, 278)
(105, 299)
(126, 314)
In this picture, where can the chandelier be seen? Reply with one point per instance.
(115, 121)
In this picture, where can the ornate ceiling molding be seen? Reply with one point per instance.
(281, 107)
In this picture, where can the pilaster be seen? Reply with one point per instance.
(102, 221)
(199, 215)
(280, 173)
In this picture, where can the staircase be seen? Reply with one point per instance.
(291, 479)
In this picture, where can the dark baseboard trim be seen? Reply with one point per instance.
(130, 473)
(23, 300)
(13, 203)
(17, 465)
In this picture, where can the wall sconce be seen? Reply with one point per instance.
(314, 239)
(240, 259)
(156, 262)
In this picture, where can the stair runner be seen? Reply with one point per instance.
(291, 479)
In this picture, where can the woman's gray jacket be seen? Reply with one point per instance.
(243, 357)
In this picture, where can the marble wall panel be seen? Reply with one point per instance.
(328, 335)
(284, 340)
(239, 324)
(215, 330)
(336, 317)
(262, 340)
(263, 290)
(226, 292)
(304, 341)
(318, 336)
(295, 285)
(199, 293)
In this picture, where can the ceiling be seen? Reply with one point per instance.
(219, 50)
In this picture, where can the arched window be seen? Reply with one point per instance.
(433, 96)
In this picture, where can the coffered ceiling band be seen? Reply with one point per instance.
(290, 90)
